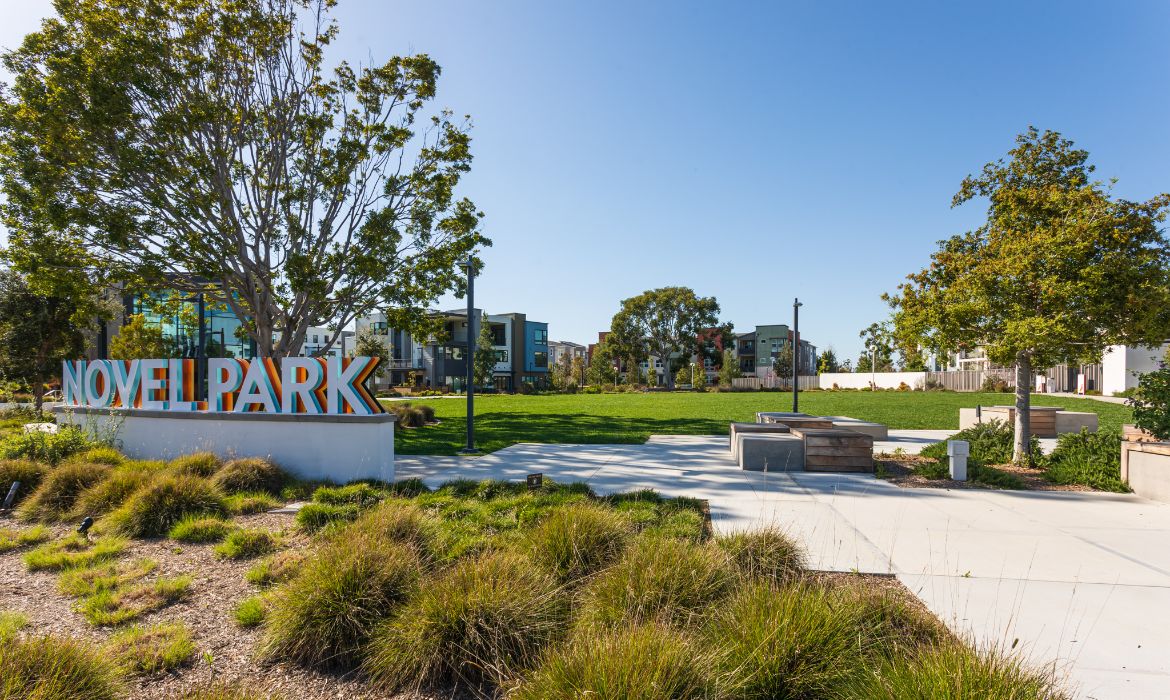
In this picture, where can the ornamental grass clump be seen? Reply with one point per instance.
(250, 612)
(73, 551)
(54, 668)
(477, 625)
(157, 507)
(27, 472)
(648, 662)
(58, 492)
(392, 521)
(153, 649)
(250, 503)
(250, 474)
(247, 544)
(109, 494)
(317, 516)
(578, 540)
(100, 455)
(203, 464)
(238, 690)
(200, 529)
(12, 539)
(276, 569)
(954, 671)
(114, 606)
(325, 615)
(766, 554)
(658, 580)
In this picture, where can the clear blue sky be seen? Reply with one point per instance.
(756, 151)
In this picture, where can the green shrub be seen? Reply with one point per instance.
(359, 494)
(246, 544)
(27, 472)
(157, 507)
(578, 540)
(408, 416)
(228, 691)
(766, 554)
(648, 663)
(100, 455)
(658, 580)
(791, 642)
(325, 615)
(275, 569)
(990, 443)
(200, 529)
(954, 671)
(479, 624)
(250, 612)
(56, 495)
(153, 649)
(113, 606)
(109, 494)
(53, 668)
(315, 516)
(1088, 459)
(45, 447)
(74, 551)
(427, 411)
(250, 474)
(11, 539)
(250, 503)
(393, 521)
(11, 623)
(203, 464)
(103, 576)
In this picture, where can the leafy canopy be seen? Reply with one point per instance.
(661, 322)
(203, 145)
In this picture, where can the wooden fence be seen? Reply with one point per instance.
(757, 383)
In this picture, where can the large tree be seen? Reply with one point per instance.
(661, 322)
(1060, 270)
(37, 333)
(203, 145)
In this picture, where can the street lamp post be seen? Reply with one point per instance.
(796, 354)
(692, 375)
(471, 342)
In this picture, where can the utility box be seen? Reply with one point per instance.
(957, 452)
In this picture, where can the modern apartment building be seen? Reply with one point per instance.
(560, 348)
(758, 349)
(520, 345)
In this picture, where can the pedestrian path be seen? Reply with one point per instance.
(1083, 578)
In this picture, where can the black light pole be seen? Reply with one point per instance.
(201, 353)
(471, 338)
(796, 355)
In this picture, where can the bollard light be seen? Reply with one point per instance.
(957, 451)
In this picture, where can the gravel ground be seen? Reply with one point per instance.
(223, 650)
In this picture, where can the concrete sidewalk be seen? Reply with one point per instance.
(1083, 578)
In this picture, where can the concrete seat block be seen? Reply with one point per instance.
(877, 431)
(770, 416)
(1073, 421)
(756, 428)
(770, 452)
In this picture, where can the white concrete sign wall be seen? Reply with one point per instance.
(338, 448)
(883, 380)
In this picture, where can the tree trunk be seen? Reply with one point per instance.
(38, 391)
(1022, 451)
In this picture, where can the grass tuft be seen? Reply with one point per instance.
(13, 539)
(246, 544)
(479, 624)
(766, 554)
(201, 464)
(100, 455)
(53, 668)
(228, 691)
(154, 509)
(325, 615)
(250, 474)
(200, 529)
(658, 580)
(27, 472)
(578, 540)
(107, 495)
(114, 606)
(162, 647)
(648, 662)
(59, 490)
(250, 503)
(313, 517)
(275, 569)
(103, 577)
(73, 551)
(11, 623)
(250, 612)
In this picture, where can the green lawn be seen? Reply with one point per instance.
(630, 418)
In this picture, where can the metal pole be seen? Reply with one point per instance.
(471, 338)
(201, 353)
(796, 355)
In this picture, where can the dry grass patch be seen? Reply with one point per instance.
(117, 605)
(162, 647)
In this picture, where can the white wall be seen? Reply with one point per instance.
(884, 380)
(1121, 364)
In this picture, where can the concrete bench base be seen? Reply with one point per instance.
(877, 431)
(755, 428)
(770, 452)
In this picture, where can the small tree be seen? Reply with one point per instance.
(369, 344)
(1059, 271)
(37, 333)
(139, 340)
(729, 370)
(683, 375)
(601, 364)
(578, 370)
(782, 363)
(663, 322)
(483, 366)
(633, 372)
(827, 362)
(561, 374)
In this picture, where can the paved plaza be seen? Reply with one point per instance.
(1083, 578)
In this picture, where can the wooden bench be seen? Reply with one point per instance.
(835, 449)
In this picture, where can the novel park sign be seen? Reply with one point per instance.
(312, 416)
(300, 385)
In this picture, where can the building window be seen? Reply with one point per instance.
(501, 355)
(453, 352)
(540, 359)
(540, 336)
(499, 334)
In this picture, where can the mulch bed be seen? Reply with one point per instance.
(223, 651)
(899, 470)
